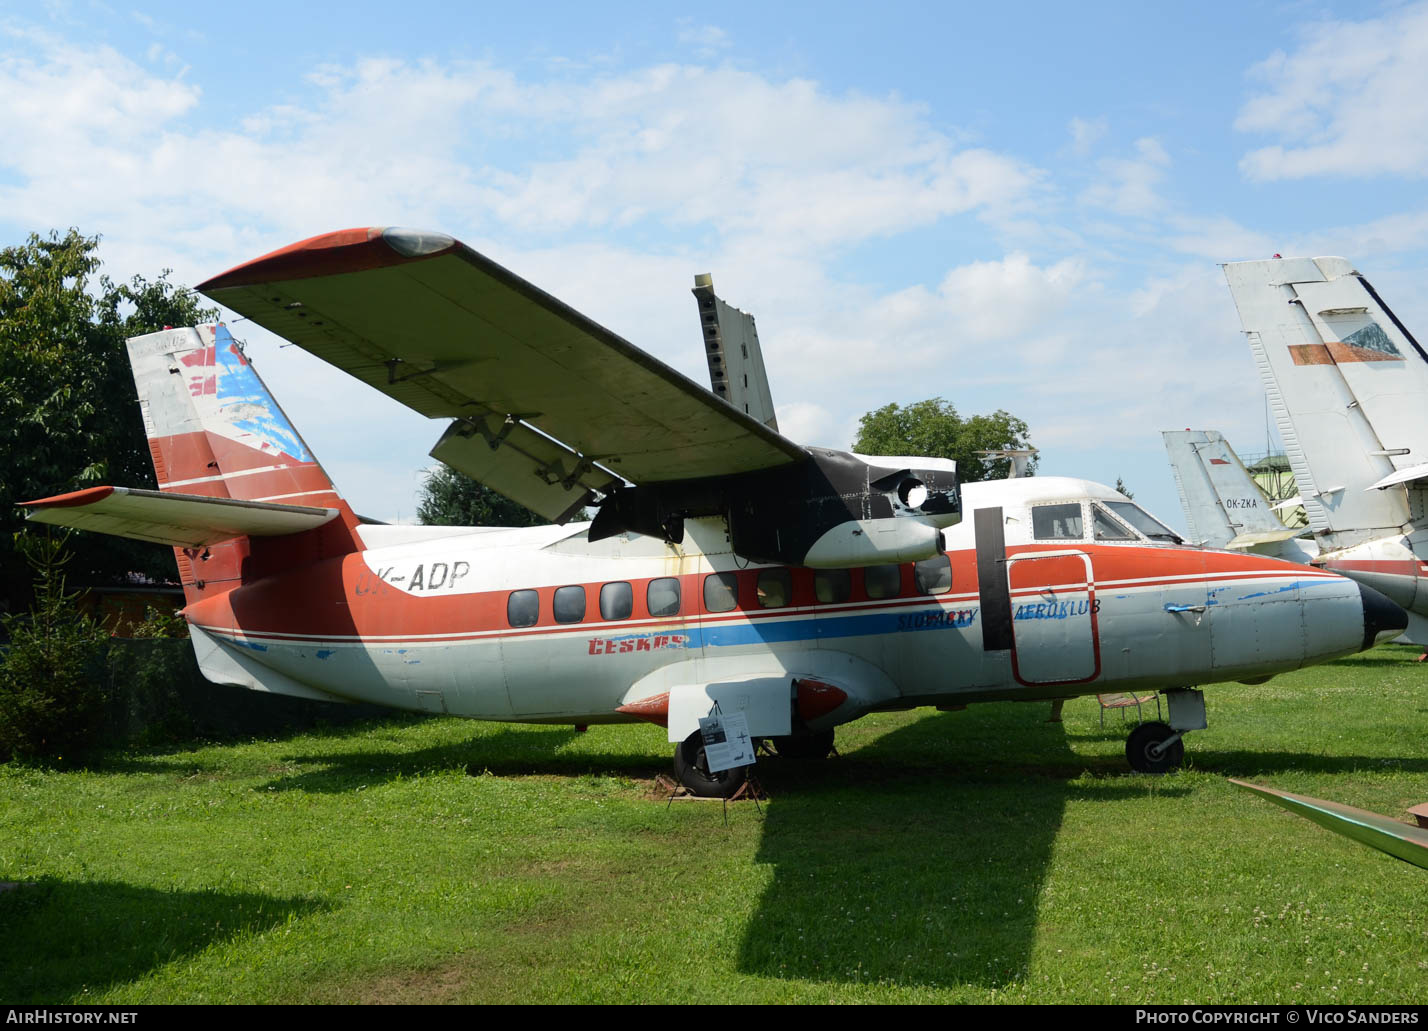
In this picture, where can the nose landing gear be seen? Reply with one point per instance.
(1154, 748)
(1158, 747)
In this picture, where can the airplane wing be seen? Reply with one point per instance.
(548, 405)
(182, 520)
(1381, 832)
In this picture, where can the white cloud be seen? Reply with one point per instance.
(702, 40)
(1086, 133)
(1352, 100)
(1127, 186)
(611, 187)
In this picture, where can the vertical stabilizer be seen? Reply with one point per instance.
(736, 364)
(1346, 382)
(215, 431)
(1224, 508)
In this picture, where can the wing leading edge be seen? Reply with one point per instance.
(548, 404)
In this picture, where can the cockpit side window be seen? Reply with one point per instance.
(1057, 522)
(1107, 528)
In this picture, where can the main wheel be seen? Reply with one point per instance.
(1142, 745)
(691, 767)
(808, 745)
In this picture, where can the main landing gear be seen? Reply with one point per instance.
(691, 765)
(1159, 747)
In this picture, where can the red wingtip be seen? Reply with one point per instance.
(347, 250)
(71, 500)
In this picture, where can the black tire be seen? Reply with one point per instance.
(691, 768)
(808, 745)
(1142, 742)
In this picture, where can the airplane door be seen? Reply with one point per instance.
(1054, 629)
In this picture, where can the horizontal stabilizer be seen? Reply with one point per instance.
(181, 520)
(1413, 472)
(1251, 541)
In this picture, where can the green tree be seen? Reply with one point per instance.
(450, 499)
(1121, 486)
(68, 413)
(934, 428)
(51, 685)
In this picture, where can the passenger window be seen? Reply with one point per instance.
(662, 596)
(1107, 529)
(934, 575)
(569, 604)
(617, 601)
(1056, 522)
(721, 591)
(523, 608)
(883, 581)
(831, 586)
(775, 588)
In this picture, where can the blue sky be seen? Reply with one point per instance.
(1009, 206)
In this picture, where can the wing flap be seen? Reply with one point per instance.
(531, 469)
(450, 333)
(180, 520)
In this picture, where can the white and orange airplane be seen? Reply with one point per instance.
(727, 565)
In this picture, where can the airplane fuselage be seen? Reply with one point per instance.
(540, 625)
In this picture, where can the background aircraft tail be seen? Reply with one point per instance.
(1224, 508)
(1346, 382)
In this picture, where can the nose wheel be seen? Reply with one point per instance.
(1155, 748)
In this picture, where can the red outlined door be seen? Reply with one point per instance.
(1055, 638)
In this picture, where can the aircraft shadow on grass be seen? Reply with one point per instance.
(928, 868)
(504, 753)
(63, 938)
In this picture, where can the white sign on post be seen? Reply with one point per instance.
(726, 741)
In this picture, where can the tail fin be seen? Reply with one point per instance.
(214, 430)
(1346, 382)
(1224, 508)
(213, 427)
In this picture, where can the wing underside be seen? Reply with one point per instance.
(451, 334)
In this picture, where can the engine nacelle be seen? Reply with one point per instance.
(834, 509)
(872, 542)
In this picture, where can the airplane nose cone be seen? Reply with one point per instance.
(1383, 620)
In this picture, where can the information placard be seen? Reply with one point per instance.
(726, 741)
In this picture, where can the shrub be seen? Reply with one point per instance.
(51, 681)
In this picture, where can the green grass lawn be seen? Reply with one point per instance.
(977, 856)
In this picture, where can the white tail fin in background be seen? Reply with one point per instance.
(1224, 507)
(1346, 382)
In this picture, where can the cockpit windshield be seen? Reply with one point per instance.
(1143, 521)
(1107, 529)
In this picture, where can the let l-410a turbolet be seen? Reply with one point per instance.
(727, 565)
